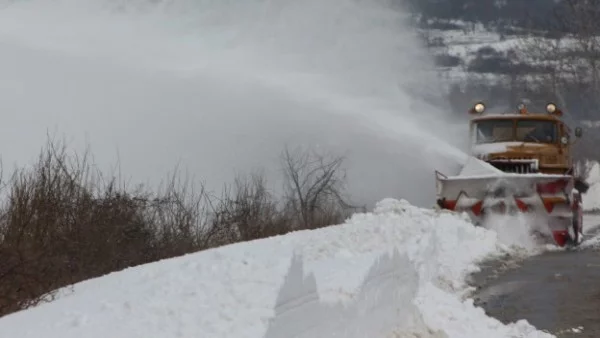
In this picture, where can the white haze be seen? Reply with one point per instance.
(218, 88)
(516, 230)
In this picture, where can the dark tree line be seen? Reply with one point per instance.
(538, 15)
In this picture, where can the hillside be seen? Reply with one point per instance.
(513, 55)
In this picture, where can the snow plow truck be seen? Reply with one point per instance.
(521, 162)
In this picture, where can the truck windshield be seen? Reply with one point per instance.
(489, 131)
(520, 130)
(536, 131)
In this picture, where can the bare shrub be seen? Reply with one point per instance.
(246, 211)
(314, 187)
(179, 216)
(62, 221)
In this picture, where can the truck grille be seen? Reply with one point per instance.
(519, 166)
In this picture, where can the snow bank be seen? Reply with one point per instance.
(385, 302)
(591, 231)
(591, 200)
(396, 271)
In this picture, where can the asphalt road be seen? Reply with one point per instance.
(558, 292)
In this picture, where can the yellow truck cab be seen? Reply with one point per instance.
(523, 141)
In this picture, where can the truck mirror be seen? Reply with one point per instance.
(578, 132)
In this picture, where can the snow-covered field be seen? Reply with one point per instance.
(396, 272)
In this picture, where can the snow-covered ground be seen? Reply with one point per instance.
(591, 200)
(398, 271)
(395, 272)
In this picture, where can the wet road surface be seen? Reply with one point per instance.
(558, 292)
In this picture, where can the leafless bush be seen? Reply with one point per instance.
(245, 213)
(314, 186)
(62, 221)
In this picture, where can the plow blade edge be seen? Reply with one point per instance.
(526, 192)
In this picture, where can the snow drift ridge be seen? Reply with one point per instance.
(241, 290)
(385, 304)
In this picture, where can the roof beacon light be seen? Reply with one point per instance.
(551, 108)
(478, 108)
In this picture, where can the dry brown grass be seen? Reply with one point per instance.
(62, 222)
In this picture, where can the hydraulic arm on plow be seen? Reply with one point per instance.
(521, 162)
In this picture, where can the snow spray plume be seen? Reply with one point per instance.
(515, 230)
(220, 86)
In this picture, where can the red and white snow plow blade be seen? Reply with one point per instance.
(550, 198)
